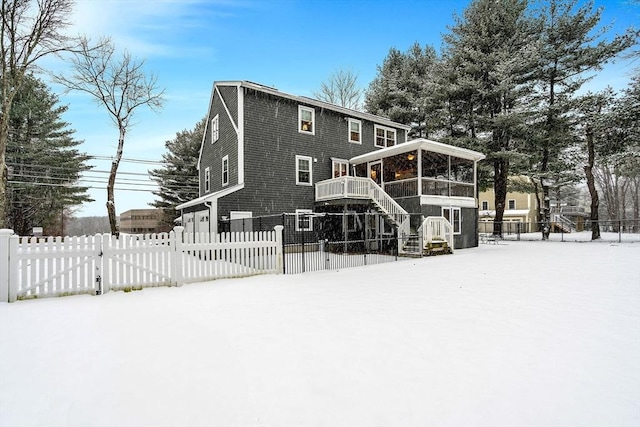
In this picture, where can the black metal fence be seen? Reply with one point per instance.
(627, 230)
(328, 241)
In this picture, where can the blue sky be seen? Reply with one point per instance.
(291, 45)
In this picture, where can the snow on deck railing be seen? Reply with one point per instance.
(33, 267)
(437, 229)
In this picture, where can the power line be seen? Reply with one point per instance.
(44, 184)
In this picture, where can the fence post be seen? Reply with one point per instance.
(98, 259)
(177, 239)
(106, 270)
(5, 264)
(620, 231)
(13, 269)
(279, 249)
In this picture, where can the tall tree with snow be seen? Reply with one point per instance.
(404, 89)
(488, 60)
(617, 146)
(571, 46)
(177, 179)
(121, 86)
(44, 164)
(30, 31)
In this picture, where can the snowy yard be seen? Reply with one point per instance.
(515, 334)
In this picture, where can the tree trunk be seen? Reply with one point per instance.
(4, 173)
(111, 204)
(500, 168)
(635, 196)
(595, 200)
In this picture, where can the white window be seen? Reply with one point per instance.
(303, 170)
(340, 167)
(512, 204)
(454, 216)
(225, 170)
(215, 129)
(485, 205)
(207, 180)
(304, 220)
(385, 137)
(355, 131)
(306, 120)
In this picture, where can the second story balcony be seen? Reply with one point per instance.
(412, 169)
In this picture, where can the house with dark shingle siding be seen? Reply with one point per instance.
(266, 152)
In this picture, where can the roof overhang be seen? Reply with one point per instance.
(310, 101)
(208, 198)
(416, 144)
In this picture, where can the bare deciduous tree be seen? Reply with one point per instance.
(118, 84)
(341, 88)
(30, 31)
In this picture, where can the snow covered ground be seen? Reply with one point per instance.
(514, 334)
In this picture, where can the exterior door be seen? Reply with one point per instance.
(375, 172)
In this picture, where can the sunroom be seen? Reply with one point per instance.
(421, 176)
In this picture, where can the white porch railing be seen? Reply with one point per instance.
(348, 187)
(437, 229)
(354, 187)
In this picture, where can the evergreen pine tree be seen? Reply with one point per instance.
(570, 46)
(178, 177)
(488, 58)
(404, 90)
(43, 161)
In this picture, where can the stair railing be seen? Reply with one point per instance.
(437, 229)
(390, 208)
(362, 187)
(565, 223)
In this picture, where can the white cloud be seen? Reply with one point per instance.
(143, 27)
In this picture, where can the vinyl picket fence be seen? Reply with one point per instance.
(54, 266)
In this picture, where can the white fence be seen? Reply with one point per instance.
(55, 266)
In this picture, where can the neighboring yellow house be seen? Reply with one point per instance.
(520, 208)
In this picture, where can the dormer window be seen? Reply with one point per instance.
(306, 120)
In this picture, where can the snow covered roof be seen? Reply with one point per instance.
(415, 144)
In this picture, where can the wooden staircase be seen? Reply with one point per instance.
(434, 237)
(353, 187)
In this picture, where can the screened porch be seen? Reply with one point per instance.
(415, 168)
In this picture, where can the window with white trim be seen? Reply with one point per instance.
(225, 170)
(340, 167)
(303, 170)
(512, 204)
(385, 137)
(485, 205)
(355, 131)
(304, 220)
(454, 216)
(306, 120)
(207, 180)
(215, 129)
